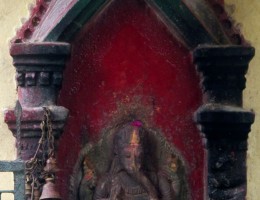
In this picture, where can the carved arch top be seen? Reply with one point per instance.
(197, 22)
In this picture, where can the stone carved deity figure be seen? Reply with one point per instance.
(133, 173)
(128, 178)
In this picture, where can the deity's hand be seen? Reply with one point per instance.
(115, 189)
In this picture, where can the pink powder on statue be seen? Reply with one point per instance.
(137, 123)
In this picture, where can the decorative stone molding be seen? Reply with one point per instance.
(38, 78)
(37, 13)
(222, 120)
(39, 69)
(228, 24)
(223, 70)
(30, 127)
(31, 119)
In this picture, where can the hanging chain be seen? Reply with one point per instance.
(50, 136)
(45, 150)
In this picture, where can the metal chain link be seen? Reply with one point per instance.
(45, 149)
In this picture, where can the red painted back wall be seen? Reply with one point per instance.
(126, 51)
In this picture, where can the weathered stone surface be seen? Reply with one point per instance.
(223, 70)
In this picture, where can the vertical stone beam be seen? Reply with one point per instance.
(222, 120)
(39, 70)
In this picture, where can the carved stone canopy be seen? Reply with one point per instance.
(193, 22)
(134, 57)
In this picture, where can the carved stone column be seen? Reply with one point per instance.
(39, 69)
(222, 120)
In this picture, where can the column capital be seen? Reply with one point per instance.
(29, 127)
(39, 71)
(218, 121)
(40, 56)
(223, 70)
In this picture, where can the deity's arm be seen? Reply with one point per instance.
(102, 191)
(108, 188)
(165, 188)
(85, 191)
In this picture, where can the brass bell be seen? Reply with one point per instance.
(36, 194)
(49, 191)
(28, 189)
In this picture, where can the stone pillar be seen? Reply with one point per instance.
(39, 71)
(222, 120)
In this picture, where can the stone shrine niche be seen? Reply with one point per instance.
(136, 77)
(127, 62)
